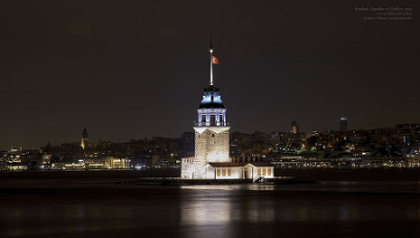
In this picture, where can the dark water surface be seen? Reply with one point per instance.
(106, 209)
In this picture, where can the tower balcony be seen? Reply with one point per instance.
(208, 123)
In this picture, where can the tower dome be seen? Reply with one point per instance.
(211, 98)
(211, 111)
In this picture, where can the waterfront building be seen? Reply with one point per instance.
(211, 158)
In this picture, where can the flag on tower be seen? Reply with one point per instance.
(215, 60)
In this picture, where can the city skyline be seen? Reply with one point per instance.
(294, 128)
(136, 75)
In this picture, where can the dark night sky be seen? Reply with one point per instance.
(131, 69)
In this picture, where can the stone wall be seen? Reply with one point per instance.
(212, 144)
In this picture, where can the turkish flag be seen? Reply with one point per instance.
(215, 60)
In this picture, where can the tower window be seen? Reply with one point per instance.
(212, 120)
(212, 135)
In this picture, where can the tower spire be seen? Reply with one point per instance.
(211, 62)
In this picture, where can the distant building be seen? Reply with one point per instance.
(294, 128)
(187, 144)
(85, 139)
(116, 163)
(109, 162)
(342, 124)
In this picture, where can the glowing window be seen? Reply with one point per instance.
(264, 172)
(212, 120)
(259, 171)
(229, 172)
(223, 172)
(218, 172)
(269, 171)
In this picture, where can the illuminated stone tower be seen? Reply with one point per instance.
(211, 133)
(85, 139)
(212, 130)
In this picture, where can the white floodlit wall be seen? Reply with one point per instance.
(212, 144)
(191, 168)
(210, 172)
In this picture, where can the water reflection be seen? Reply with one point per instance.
(215, 209)
(258, 211)
(251, 187)
(323, 186)
(237, 205)
(210, 210)
(204, 212)
(218, 207)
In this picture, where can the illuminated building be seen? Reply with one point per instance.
(211, 158)
(116, 163)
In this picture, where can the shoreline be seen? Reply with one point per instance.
(377, 174)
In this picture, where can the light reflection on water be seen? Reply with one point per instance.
(308, 208)
(199, 207)
(204, 210)
(253, 187)
(323, 186)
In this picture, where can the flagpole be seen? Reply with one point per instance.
(211, 67)
(211, 63)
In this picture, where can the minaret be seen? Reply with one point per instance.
(85, 139)
(212, 128)
(294, 128)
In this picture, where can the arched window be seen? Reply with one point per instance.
(212, 120)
